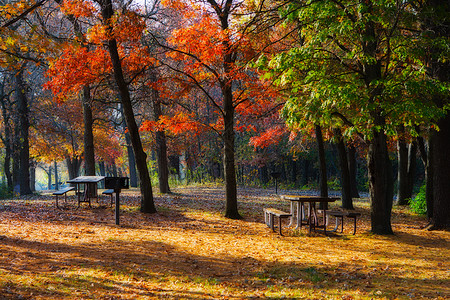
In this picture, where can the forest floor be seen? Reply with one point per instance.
(188, 250)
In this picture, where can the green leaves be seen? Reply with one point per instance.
(357, 61)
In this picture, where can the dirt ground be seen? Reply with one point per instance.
(188, 250)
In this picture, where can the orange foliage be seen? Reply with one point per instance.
(78, 8)
(178, 124)
(75, 68)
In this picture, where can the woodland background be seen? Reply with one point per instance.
(315, 94)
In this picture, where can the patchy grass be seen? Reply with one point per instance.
(188, 250)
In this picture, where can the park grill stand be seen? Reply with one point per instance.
(117, 184)
(276, 175)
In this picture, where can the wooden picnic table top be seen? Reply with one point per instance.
(86, 179)
(305, 198)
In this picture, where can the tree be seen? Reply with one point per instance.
(209, 55)
(351, 69)
(124, 57)
(107, 12)
(435, 31)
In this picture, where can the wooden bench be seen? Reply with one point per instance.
(63, 192)
(270, 213)
(339, 215)
(109, 192)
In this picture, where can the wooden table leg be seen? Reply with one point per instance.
(291, 208)
(299, 215)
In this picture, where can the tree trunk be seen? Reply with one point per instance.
(380, 184)
(412, 164)
(427, 158)
(441, 176)
(402, 150)
(263, 174)
(56, 176)
(305, 177)
(131, 162)
(49, 182)
(89, 155)
(7, 141)
(73, 167)
(429, 175)
(229, 164)
(24, 125)
(33, 176)
(294, 171)
(322, 167)
(161, 145)
(346, 190)
(352, 166)
(436, 24)
(147, 204)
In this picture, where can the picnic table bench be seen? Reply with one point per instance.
(63, 192)
(339, 215)
(270, 213)
(109, 192)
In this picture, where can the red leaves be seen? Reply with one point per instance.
(271, 136)
(76, 67)
(178, 124)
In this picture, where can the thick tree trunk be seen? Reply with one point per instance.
(352, 166)
(147, 204)
(346, 190)
(89, 155)
(436, 24)
(380, 184)
(322, 166)
(441, 176)
(229, 164)
(24, 125)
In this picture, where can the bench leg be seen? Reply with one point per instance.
(271, 216)
(279, 224)
(57, 201)
(354, 225)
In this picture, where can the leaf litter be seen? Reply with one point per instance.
(188, 250)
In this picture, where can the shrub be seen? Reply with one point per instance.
(4, 191)
(419, 203)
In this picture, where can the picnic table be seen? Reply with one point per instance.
(312, 218)
(89, 184)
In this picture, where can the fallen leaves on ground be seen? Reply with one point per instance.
(188, 250)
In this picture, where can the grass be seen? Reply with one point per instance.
(188, 250)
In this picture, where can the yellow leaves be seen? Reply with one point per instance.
(96, 34)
